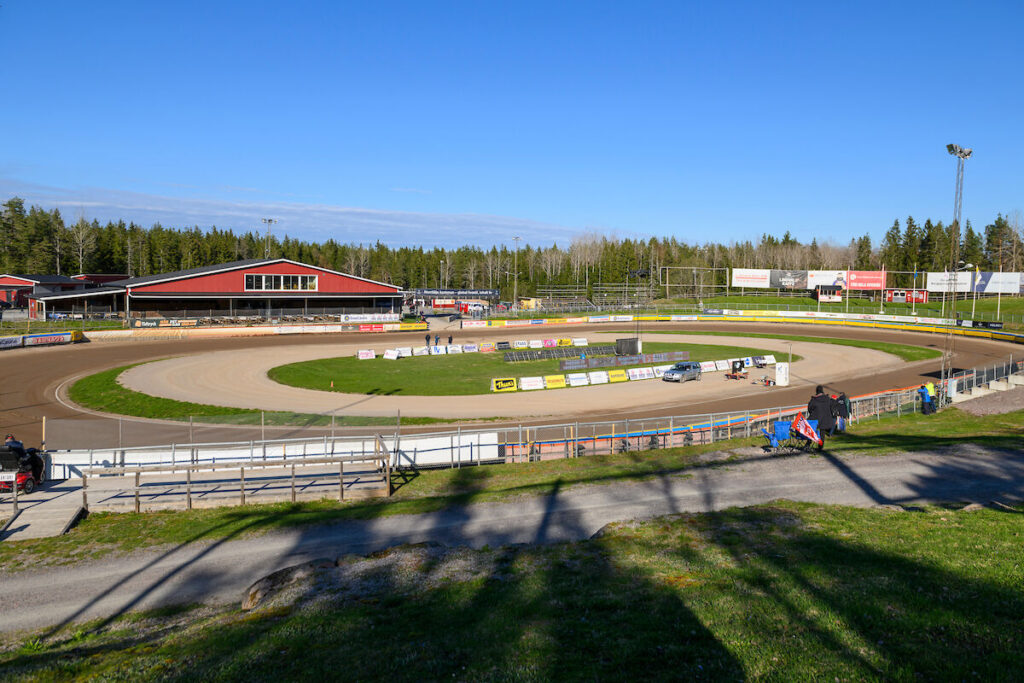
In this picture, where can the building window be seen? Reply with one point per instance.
(258, 282)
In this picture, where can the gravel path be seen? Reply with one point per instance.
(996, 403)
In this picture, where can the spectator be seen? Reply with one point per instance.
(428, 339)
(437, 340)
(820, 408)
(927, 406)
(844, 408)
(449, 340)
(930, 386)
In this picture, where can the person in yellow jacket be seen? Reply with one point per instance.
(931, 390)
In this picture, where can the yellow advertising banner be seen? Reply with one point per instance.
(618, 375)
(407, 327)
(554, 381)
(565, 341)
(503, 384)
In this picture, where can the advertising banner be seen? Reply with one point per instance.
(47, 339)
(367, 354)
(470, 348)
(579, 341)
(564, 341)
(770, 360)
(502, 346)
(454, 348)
(782, 374)
(473, 323)
(948, 282)
(438, 350)
(577, 379)
(659, 370)
(997, 283)
(682, 318)
(598, 377)
(640, 373)
(826, 278)
(421, 351)
(371, 318)
(503, 384)
(599, 319)
(371, 328)
(391, 354)
(617, 376)
(457, 293)
(10, 342)
(550, 343)
(866, 279)
(404, 351)
(708, 366)
(531, 383)
(722, 365)
(536, 343)
(622, 318)
(788, 279)
(754, 278)
(554, 381)
(486, 347)
(520, 344)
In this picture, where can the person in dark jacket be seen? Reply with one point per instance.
(820, 408)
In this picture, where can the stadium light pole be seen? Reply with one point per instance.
(515, 282)
(962, 154)
(268, 222)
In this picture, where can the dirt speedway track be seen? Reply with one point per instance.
(31, 377)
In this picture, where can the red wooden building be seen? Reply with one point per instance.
(251, 287)
(16, 289)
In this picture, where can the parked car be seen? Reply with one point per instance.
(682, 371)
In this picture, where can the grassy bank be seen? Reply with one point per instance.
(905, 351)
(431, 490)
(785, 591)
(13, 328)
(461, 374)
(102, 392)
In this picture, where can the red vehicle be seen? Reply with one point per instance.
(28, 472)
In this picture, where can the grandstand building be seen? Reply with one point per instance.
(254, 287)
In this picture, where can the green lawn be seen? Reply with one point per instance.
(460, 374)
(783, 591)
(1013, 305)
(13, 328)
(104, 393)
(905, 351)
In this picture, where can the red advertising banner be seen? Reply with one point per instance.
(906, 296)
(866, 279)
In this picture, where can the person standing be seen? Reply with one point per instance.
(449, 340)
(427, 339)
(820, 408)
(437, 340)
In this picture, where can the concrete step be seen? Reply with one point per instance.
(1016, 380)
(980, 391)
(999, 385)
(960, 398)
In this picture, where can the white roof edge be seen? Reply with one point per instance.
(77, 294)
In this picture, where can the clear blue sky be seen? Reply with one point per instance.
(468, 122)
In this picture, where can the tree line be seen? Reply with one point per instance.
(34, 240)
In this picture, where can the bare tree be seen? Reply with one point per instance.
(83, 240)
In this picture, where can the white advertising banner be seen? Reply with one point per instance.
(421, 351)
(531, 383)
(577, 379)
(536, 343)
(598, 377)
(997, 283)
(708, 366)
(770, 360)
(640, 373)
(47, 339)
(622, 318)
(404, 351)
(391, 354)
(682, 318)
(520, 344)
(474, 323)
(579, 341)
(438, 350)
(371, 318)
(756, 278)
(454, 348)
(659, 370)
(822, 278)
(10, 342)
(722, 365)
(782, 374)
(367, 354)
(470, 348)
(949, 282)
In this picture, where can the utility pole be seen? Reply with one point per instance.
(515, 282)
(268, 222)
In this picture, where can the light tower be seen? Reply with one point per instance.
(962, 154)
(268, 222)
(515, 282)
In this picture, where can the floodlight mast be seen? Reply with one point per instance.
(962, 154)
(266, 248)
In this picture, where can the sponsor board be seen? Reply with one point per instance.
(503, 346)
(575, 321)
(421, 351)
(622, 318)
(536, 344)
(391, 354)
(486, 347)
(788, 279)
(531, 383)
(503, 384)
(782, 374)
(554, 381)
(520, 344)
(470, 348)
(770, 360)
(392, 327)
(756, 278)
(681, 318)
(640, 373)
(708, 366)
(366, 354)
(370, 318)
(659, 370)
(712, 311)
(145, 323)
(371, 328)
(538, 321)
(404, 351)
(866, 279)
(409, 327)
(454, 348)
(577, 379)
(826, 278)
(565, 341)
(550, 343)
(474, 323)
(598, 377)
(722, 365)
(438, 350)
(617, 375)
(518, 323)
(47, 339)
(579, 341)
(10, 342)
(599, 319)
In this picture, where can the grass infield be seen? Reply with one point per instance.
(788, 591)
(456, 375)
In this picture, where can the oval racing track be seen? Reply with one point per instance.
(32, 377)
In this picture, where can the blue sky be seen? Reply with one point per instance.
(469, 122)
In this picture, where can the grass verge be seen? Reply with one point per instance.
(905, 351)
(783, 591)
(458, 375)
(101, 391)
(431, 490)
